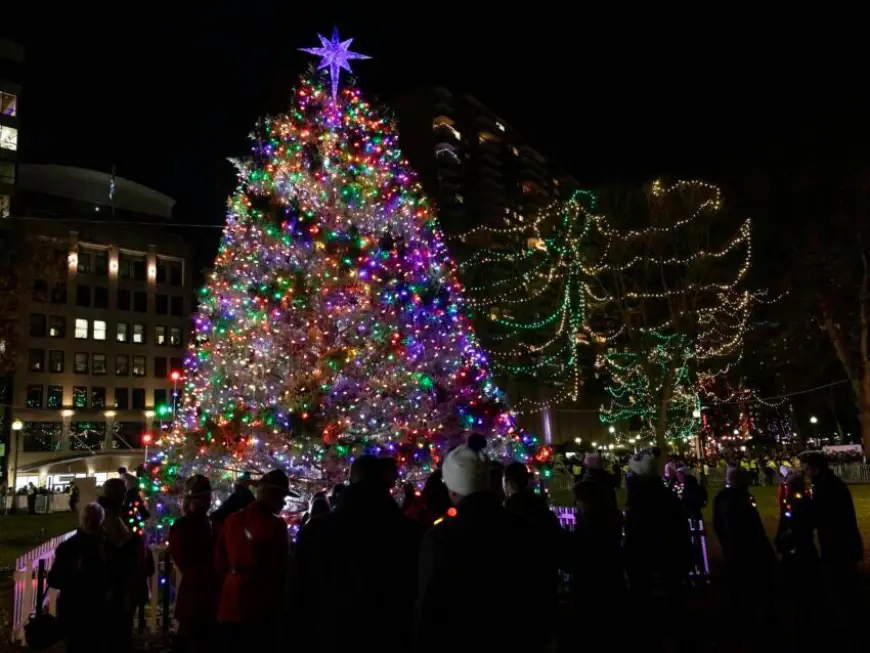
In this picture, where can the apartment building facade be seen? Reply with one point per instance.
(102, 334)
(11, 62)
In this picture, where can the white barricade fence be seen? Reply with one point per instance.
(25, 577)
(852, 472)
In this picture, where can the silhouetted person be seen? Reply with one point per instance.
(81, 574)
(746, 550)
(335, 495)
(362, 555)
(434, 502)
(465, 560)
(241, 498)
(191, 544)
(840, 542)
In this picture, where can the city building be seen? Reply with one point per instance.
(103, 320)
(11, 61)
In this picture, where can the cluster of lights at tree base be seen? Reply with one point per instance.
(332, 323)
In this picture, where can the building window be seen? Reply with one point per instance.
(175, 337)
(123, 300)
(37, 325)
(159, 399)
(159, 367)
(39, 436)
(101, 264)
(138, 398)
(80, 366)
(99, 329)
(160, 335)
(177, 306)
(7, 172)
(39, 292)
(5, 206)
(87, 436)
(98, 397)
(34, 396)
(161, 304)
(499, 125)
(57, 326)
(139, 270)
(131, 267)
(98, 364)
(84, 263)
(81, 329)
(8, 104)
(8, 138)
(487, 137)
(515, 151)
(80, 396)
(139, 334)
(37, 360)
(122, 332)
(140, 302)
(122, 398)
(55, 396)
(101, 297)
(83, 295)
(58, 293)
(55, 361)
(122, 365)
(138, 366)
(161, 272)
(176, 274)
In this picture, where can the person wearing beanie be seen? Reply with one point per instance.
(241, 498)
(479, 555)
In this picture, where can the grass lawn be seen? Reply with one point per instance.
(20, 533)
(765, 498)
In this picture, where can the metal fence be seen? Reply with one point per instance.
(45, 503)
(853, 472)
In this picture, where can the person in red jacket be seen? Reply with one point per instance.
(252, 556)
(191, 544)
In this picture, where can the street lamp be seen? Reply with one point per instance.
(814, 420)
(175, 376)
(612, 430)
(17, 425)
(578, 440)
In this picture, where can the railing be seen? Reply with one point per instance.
(29, 578)
(852, 472)
(44, 503)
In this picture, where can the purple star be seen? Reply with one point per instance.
(334, 55)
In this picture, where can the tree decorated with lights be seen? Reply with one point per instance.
(332, 323)
(539, 310)
(673, 292)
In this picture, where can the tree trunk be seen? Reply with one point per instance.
(864, 409)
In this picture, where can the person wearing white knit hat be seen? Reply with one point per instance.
(465, 472)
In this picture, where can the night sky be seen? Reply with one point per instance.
(166, 95)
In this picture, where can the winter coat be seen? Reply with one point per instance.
(471, 566)
(192, 545)
(745, 547)
(80, 571)
(543, 525)
(251, 555)
(657, 537)
(693, 497)
(351, 583)
(834, 518)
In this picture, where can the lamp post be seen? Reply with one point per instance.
(814, 421)
(146, 437)
(17, 425)
(175, 376)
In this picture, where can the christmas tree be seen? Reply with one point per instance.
(332, 323)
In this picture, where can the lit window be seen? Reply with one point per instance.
(81, 329)
(161, 335)
(139, 333)
(8, 104)
(138, 366)
(8, 138)
(99, 330)
(515, 151)
(5, 206)
(486, 136)
(122, 334)
(459, 198)
(499, 125)
(175, 337)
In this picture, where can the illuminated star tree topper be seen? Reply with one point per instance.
(334, 55)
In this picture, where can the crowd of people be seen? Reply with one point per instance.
(475, 560)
